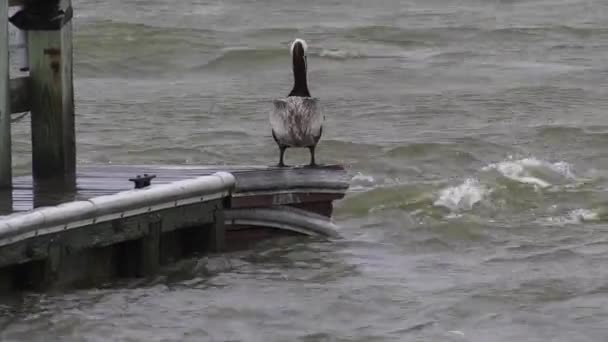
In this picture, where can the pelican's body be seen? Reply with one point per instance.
(297, 120)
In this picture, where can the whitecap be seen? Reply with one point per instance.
(576, 216)
(584, 215)
(339, 54)
(456, 332)
(362, 182)
(463, 196)
(522, 170)
(363, 179)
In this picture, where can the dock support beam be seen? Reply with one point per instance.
(216, 235)
(150, 250)
(50, 88)
(5, 112)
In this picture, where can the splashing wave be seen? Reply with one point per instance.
(463, 196)
(505, 191)
(576, 216)
(533, 171)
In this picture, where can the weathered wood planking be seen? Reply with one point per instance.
(257, 186)
(5, 112)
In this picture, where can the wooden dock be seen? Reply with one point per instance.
(67, 225)
(104, 228)
(264, 185)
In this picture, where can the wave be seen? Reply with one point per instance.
(391, 35)
(576, 32)
(463, 196)
(573, 217)
(432, 151)
(381, 197)
(102, 35)
(340, 54)
(244, 57)
(501, 191)
(527, 171)
(361, 182)
(584, 137)
(441, 35)
(561, 131)
(533, 171)
(517, 185)
(100, 44)
(105, 47)
(550, 254)
(577, 216)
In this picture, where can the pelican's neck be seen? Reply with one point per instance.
(300, 85)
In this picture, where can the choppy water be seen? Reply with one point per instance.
(475, 130)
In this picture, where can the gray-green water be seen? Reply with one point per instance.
(476, 132)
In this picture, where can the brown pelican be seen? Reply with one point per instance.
(296, 120)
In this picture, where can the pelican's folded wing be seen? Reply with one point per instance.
(277, 117)
(315, 114)
(279, 104)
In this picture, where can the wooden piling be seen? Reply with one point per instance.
(6, 201)
(5, 112)
(52, 101)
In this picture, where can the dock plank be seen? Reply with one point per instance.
(100, 180)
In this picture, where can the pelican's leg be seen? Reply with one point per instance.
(282, 155)
(312, 155)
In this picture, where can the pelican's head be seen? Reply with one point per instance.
(298, 54)
(299, 46)
(298, 51)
